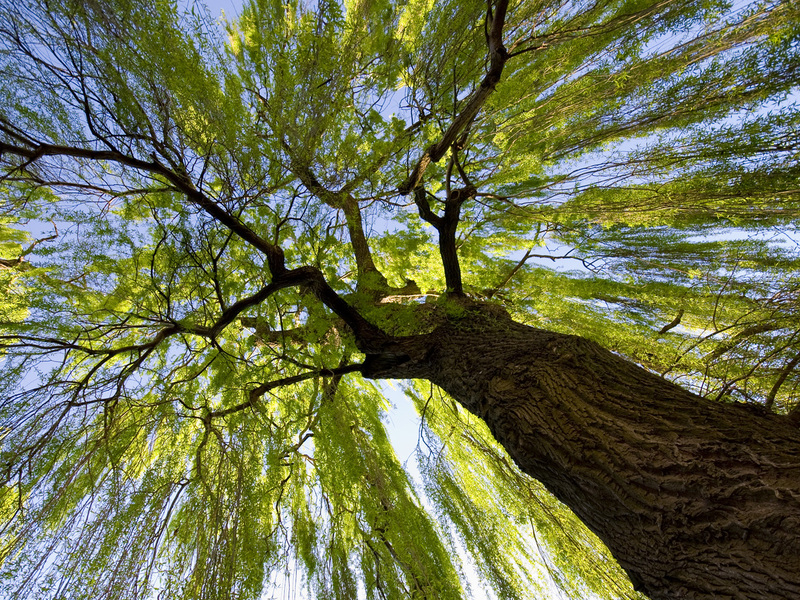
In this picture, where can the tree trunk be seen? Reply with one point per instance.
(694, 498)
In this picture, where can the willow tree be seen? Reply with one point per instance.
(568, 227)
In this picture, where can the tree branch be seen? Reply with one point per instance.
(497, 60)
(10, 263)
(514, 271)
(787, 370)
(268, 336)
(180, 181)
(368, 274)
(256, 393)
(368, 336)
(447, 226)
(672, 324)
(424, 207)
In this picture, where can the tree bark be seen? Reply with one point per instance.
(695, 499)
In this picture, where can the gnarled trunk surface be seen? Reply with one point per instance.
(695, 499)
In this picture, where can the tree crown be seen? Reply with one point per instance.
(213, 229)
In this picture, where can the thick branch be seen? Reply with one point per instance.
(180, 181)
(238, 307)
(446, 225)
(364, 263)
(424, 207)
(447, 238)
(497, 60)
(344, 201)
(369, 338)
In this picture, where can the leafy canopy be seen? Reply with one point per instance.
(208, 222)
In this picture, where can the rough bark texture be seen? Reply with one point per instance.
(695, 499)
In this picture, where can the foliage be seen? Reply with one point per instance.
(203, 235)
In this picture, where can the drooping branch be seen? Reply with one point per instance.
(51, 345)
(497, 60)
(397, 144)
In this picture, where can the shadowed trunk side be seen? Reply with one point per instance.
(695, 499)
